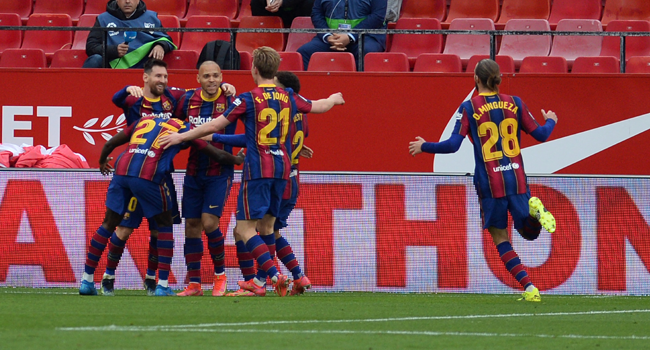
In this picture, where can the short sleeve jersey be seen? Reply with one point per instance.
(494, 122)
(266, 112)
(197, 110)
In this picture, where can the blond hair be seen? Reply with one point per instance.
(267, 61)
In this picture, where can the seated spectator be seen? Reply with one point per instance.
(338, 16)
(120, 51)
(285, 9)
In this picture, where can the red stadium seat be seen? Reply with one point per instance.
(520, 46)
(80, 36)
(597, 65)
(488, 9)
(246, 60)
(251, 41)
(169, 21)
(226, 8)
(634, 46)
(571, 9)
(638, 64)
(296, 40)
(48, 41)
(168, 7)
(466, 46)
(415, 44)
(10, 39)
(506, 63)
(625, 10)
(95, 7)
(23, 58)
(291, 61)
(386, 62)
(332, 62)
(424, 9)
(523, 9)
(68, 59)
(244, 11)
(438, 63)
(74, 8)
(195, 41)
(544, 64)
(21, 7)
(572, 46)
(181, 59)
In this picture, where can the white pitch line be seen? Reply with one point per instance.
(425, 333)
(395, 319)
(33, 292)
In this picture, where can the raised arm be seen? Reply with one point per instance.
(325, 104)
(542, 133)
(206, 129)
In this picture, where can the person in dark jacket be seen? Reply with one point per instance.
(287, 10)
(126, 49)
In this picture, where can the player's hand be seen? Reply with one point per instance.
(549, 115)
(122, 49)
(415, 147)
(228, 89)
(157, 52)
(135, 91)
(241, 155)
(306, 152)
(337, 98)
(207, 138)
(106, 168)
(170, 140)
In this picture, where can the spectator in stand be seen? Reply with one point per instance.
(287, 10)
(339, 16)
(126, 49)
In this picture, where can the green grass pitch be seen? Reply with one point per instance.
(61, 319)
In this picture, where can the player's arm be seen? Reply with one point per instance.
(119, 139)
(323, 105)
(542, 133)
(450, 145)
(238, 140)
(119, 99)
(220, 156)
(206, 129)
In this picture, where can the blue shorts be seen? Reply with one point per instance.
(494, 211)
(260, 197)
(205, 194)
(287, 204)
(134, 215)
(154, 198)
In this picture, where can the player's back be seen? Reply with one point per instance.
(144, 156)
(298, 131)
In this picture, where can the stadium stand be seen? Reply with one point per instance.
(74, 8)
(95, 7)
(506, 63)
(625, 10)
(488, 9)
(21, 7)
(415, 44)
(244, 11)
(291, 61)
(194, 41)
(296, 40)
(634, 46)
(80, 36)
(597, 65)
(332, 62)
(438, 63)
(520, 46)
(544, 64)
(10, 39)
(424, 9)
(68, 58)
(171, 21)
(168, 7)
(571, 9)
(523, 9)
(226, 8)
(638, 64)
(386, 62)
(466, 46)
(251, 41)
(181, 59)
(48, 41)
(23, 58)
(246, 60)
(572, 46)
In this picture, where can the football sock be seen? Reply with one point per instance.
(216, 248)
(115, 250)
(513, 264)
(285, 254)
(531, 228)
(152, 263)
(96, 249)
(269, 240)
(193, 250)
(246, 261)
(260, 252)
(165, 252)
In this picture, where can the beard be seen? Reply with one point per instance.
(157, 89)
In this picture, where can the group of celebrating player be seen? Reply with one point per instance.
(162, 120)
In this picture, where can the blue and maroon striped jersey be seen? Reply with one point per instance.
(493, 122)
(266, 112)
(144, 157)
(298, 131)
(137, 107)
(197, 110)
